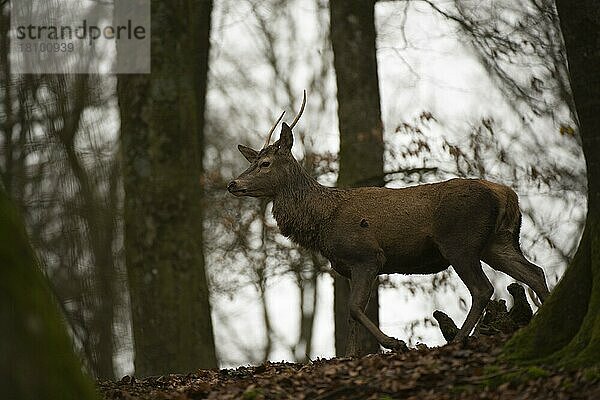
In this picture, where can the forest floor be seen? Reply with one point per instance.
(471, 370)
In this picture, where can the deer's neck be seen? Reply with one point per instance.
(303, 208)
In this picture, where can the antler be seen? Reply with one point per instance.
(295, 121)
(273, 129)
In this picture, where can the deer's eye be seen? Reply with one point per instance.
(265, 164)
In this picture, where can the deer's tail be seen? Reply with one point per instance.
(513, 217)
(508, 220)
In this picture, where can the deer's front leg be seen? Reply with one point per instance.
(362, 279)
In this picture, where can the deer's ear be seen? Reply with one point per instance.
(248, 153)
(286, 138)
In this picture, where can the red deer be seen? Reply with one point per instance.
(369, 231)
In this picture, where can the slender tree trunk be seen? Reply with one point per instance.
(361, 135)
(566, 330)
(8, 121)
(308, 318)
(261, 281)
(308, 304)
(105, 282)
(162, 131)
(98, 217)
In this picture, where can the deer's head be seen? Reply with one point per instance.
(271, 167)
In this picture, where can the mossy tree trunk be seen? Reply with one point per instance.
(566, 330)
(37, 360)
(162, 125)
(361, 137)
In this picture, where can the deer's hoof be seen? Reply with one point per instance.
(395, 344)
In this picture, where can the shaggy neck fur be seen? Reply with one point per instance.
(302, 207)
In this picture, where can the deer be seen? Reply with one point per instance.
(368, 231)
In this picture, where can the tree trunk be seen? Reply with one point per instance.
(37, 359)
(98, 217)
(162, 130)
(566, 330)
(361, 136)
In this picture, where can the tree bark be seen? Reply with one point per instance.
(162, 133)
(566, 330)
(37, 359)
(361, 137)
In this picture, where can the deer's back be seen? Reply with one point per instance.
(409, 224)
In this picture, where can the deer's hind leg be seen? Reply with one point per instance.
(505, 255)
(469, 270)
(461, 243)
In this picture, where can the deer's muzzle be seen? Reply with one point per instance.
(234, 188)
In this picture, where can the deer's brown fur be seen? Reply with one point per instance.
(415, 230)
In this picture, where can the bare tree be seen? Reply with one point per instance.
(361, 137)
(61, 171)
(565, 332)
(162, 136)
